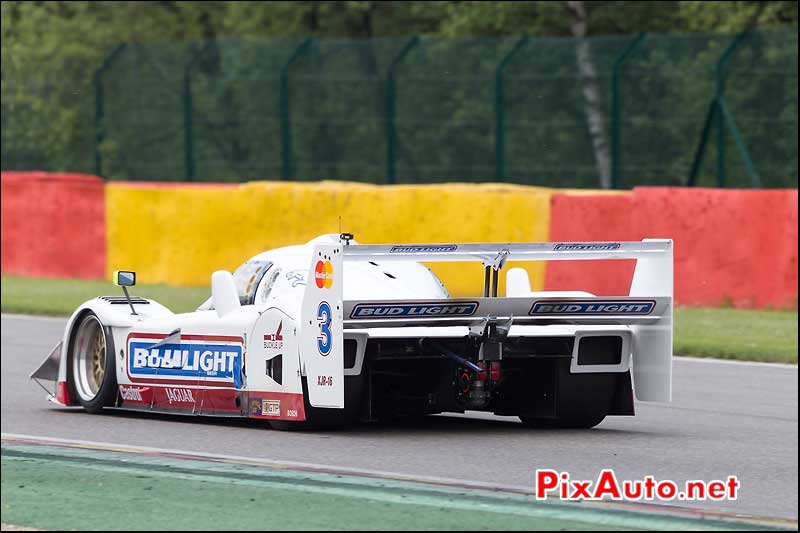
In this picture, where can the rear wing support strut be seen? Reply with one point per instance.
(492, 270)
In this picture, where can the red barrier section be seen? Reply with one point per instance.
(732, 247)
(591, 218)
(53, 225)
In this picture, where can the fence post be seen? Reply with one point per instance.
(719, 75)
(500, 110)
(715, 112)
(188, 115)
(701, 147)
(391, 130)
(286, 133)
(99, 106)
(755, 179)
(616, 107)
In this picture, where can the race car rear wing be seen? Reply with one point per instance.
(647, 308)
(529, 310)
(493, 253)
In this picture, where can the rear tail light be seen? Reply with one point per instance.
(482, 373)
(494, 371)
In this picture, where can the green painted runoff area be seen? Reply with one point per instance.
(55, 487)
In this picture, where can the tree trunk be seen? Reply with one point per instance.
(591, 92)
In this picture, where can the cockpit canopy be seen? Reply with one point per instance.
(247, 279)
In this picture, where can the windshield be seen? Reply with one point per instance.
(247, 278)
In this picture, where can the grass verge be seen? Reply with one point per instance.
(769, 336)
(60, 297)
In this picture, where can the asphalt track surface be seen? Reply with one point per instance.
(726, 418)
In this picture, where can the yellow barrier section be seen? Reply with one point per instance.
(180, 234)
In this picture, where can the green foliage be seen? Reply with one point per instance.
(736, 16)
(229, 56)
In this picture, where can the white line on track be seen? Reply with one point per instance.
(108, 446)
(711, 360)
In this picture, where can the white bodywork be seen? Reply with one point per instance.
(302, 312)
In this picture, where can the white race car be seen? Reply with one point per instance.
(331, 332)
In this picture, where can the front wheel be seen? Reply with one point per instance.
(93, 378)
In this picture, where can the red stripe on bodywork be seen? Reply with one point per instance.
(291, 405)
(223, 338)
(192, 399)
(213, 401)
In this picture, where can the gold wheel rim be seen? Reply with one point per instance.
(98, 358)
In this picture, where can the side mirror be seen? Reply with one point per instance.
(124, 278)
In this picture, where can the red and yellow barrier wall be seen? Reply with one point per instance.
(53, 225)
(731, 246)
(179, 235)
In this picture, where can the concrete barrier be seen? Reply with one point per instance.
(179, 235)
(591, 218)
(732, 247)
(53, 225)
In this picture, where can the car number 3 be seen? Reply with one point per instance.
(324, 340)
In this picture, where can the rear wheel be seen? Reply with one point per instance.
(93, 378)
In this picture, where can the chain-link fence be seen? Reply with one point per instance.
(607, 111)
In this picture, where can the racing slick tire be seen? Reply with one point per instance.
(91, 371)
(571, 422)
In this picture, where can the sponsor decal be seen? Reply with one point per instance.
(424, 249)
(215, 400)
(278, 405)
(587, 246)
(212, 359)
(296, 277)
(130, 394)
(421, 309)
(323, 274)
(274, 340)
(271, 407)
(179, 395)
(597, 307)
(325, 338)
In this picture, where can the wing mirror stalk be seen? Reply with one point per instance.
(125, 279)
